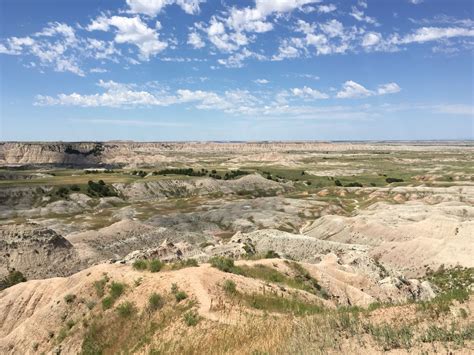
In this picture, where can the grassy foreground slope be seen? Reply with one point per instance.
(244, 308)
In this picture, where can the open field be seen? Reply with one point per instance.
(336, 247)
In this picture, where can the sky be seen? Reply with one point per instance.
(175, 70)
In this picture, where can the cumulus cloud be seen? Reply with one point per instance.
(154, 7)
(389, 88)
(261, 81)
(352, 90)
(131, 30)
(371, 39)
(195, 40)
(359, 15)
(55, 46)
(309, 93)
(237, 27)
(236, 60)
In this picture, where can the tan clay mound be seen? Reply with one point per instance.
(407, 236)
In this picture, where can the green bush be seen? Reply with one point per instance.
(271, 254)
(389, 180)
(140, 264)
(107, 302)
(155, 265)
(230, 287)
(222, 263)
(180, 296)
(99, 286)
(184, 263)
(126, 309)
(116, 289)
(155, 301)
(14, 277)
(191, 318)
(69, 298)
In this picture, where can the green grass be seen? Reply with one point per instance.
(229, 287)
(180, 296)
(392, 337)
(126, 309)
(14, 277)
(191, 318)
(99, 286)
(182, 264)
(116, 289)
(153, 265)
(273, 303)
(155, 301)
(140, 265)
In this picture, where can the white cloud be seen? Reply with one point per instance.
(236, 60)
(131, 30)
(390, 88)
(195, 40)
(426, 34)
(55, 46)
(261, 81)
(351, 90)
(325, 9)
(416, 2)
(154, 7)
(371, 39)
(359, 15)
(98, 70)
(309, 93)
(228, 34)
(286, 50)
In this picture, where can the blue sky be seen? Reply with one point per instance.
(154, 70)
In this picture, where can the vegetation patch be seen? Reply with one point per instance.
(14, 277)
(191, 318)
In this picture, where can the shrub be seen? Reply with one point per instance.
(116, 289)
(184, 264)
(337, 183)
(390, 337)
(222, 263)
(155, 301)
(100, 286)
(271, 255)
(140, 264)
(70, 323)
(75, 188)
(229, 287)
(62, 192)
(155, 265)
(69, 298)
(107, 302)
(191, 318)
(354, 184)
(14, 277)
(389, 180)
(174, 288)
(126, 309)
(180, 296)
